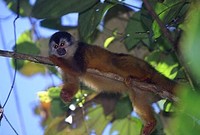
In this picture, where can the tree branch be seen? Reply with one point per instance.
(135, 84)
(36, 59)
(160, 23)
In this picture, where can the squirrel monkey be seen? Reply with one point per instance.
(74, 58)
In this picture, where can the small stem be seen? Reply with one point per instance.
(160, 23)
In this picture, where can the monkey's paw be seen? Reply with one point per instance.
(56, 60)
(66, 96)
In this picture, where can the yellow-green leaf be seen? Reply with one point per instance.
(108, 41)
(32, 68)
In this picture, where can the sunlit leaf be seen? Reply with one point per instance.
(25, 37)
(108, 41)
(43, 96)
(163, 63)
(170, 12)
(167, 107)
(30, 68)
(54, 92)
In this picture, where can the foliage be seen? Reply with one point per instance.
(137, 29)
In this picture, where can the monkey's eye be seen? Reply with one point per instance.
(56, 46)
(62, 44)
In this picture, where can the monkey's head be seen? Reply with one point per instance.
(61, 44)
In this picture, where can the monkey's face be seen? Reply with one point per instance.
(60, 44)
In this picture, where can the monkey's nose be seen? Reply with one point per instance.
(61, 51)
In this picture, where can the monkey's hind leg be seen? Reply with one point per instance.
(143, 108)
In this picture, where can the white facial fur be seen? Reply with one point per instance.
(63, 44)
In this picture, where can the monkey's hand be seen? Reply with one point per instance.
(56, 60)
(68, 91)
(69, 67)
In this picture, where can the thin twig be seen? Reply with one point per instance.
(10, 124)
(15, 61)
(160, 23)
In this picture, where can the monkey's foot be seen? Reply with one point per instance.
(148, 128)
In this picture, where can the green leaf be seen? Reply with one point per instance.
(97, 121)
(126, 126)
(53, 128)
(54, 23)
(190, 41)
(188, 119)
(54, 92)
(58, 8)
(25, 7)
(57, 107)
(168, 12)
(28, 48)
(164, 63)
(90, 19)
(135, 31)
(30, 68)
(146, 18)
(127, 108)
(168, 106)
(26, 45)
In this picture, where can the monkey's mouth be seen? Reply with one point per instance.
(61, 51)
